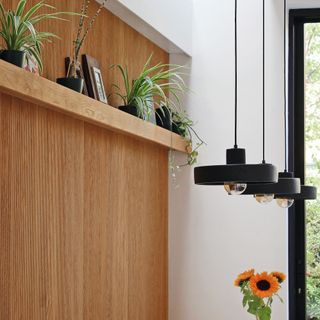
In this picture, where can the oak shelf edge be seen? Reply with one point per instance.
(43, 92)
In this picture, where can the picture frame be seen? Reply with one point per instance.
(95, 86)
(98, 85)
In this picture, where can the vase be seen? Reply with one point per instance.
(75, 84)
(73, 80)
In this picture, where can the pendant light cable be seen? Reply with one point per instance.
(285, 84)
(236, 174)
(264, 89)
(236, 75)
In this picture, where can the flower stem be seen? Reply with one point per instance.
(91, 25)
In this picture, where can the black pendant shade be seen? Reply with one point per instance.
(306, 193)
(286, 185)
(236, 171)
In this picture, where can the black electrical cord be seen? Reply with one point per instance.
(264, 89)
(236, 75)
(285, 84)
(236, 170)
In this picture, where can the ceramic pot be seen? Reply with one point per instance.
(75, 84)
(15, 57)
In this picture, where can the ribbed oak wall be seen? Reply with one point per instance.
(83, 223)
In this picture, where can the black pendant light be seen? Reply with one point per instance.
(287, 184)
(236, 174)
(306, 193)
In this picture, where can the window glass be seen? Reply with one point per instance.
(312, 165)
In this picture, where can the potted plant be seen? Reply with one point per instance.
(164, 117)
(150, 89)
(19, 33)
(259, 290)
(183, 126)
(73, 79)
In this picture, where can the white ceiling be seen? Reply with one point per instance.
(295, 4)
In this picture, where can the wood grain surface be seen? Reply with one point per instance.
(83, 210)
(83, 224)
(110, 42)
(38, 90)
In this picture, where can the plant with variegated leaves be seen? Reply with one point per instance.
(19, 28)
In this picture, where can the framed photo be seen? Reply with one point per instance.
(93, 78)
(98, 84)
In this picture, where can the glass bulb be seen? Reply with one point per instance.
(235, 188)
(264, 198)
(285, 203)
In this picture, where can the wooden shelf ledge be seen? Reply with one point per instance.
(38, 90)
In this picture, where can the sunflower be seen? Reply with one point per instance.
(264, 285)
(243, 277)
(279, 275)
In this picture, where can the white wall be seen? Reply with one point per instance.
(213, 236)
(168, 23)
(176, 15)
(297, 4)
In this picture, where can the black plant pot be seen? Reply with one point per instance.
(15, 57)
(163, 118)
(75, 84)
(130, 109)
(177, 129)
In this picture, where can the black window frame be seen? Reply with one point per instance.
(297, 237)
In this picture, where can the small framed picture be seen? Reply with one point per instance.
(98, 84)
(93, 78)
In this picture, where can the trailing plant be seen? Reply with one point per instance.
(18, 28)
(183, 125)
(259, 290)
(151, 88)
(82, 34)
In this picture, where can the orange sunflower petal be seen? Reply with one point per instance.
(264, 285)
(281, 277)
(244, 276)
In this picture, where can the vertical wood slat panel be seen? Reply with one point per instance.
(83, 221)
(40, 221)
(83, 212)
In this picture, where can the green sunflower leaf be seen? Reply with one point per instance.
(264, 313)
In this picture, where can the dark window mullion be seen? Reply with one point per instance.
(297, 239)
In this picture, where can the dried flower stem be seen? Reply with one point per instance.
(91, 23)
(84, 10)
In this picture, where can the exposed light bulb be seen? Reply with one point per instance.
(235, 188)
(264, 198)
(285, 203)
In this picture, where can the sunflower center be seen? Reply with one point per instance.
(263, 285)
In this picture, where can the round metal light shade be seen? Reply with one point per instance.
(286, 185)
(306, 193)
(235, 173)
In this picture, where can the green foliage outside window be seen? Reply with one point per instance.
(312, 96)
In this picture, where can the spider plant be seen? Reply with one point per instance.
(183, 125)
(18, 28)
(151, 88)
